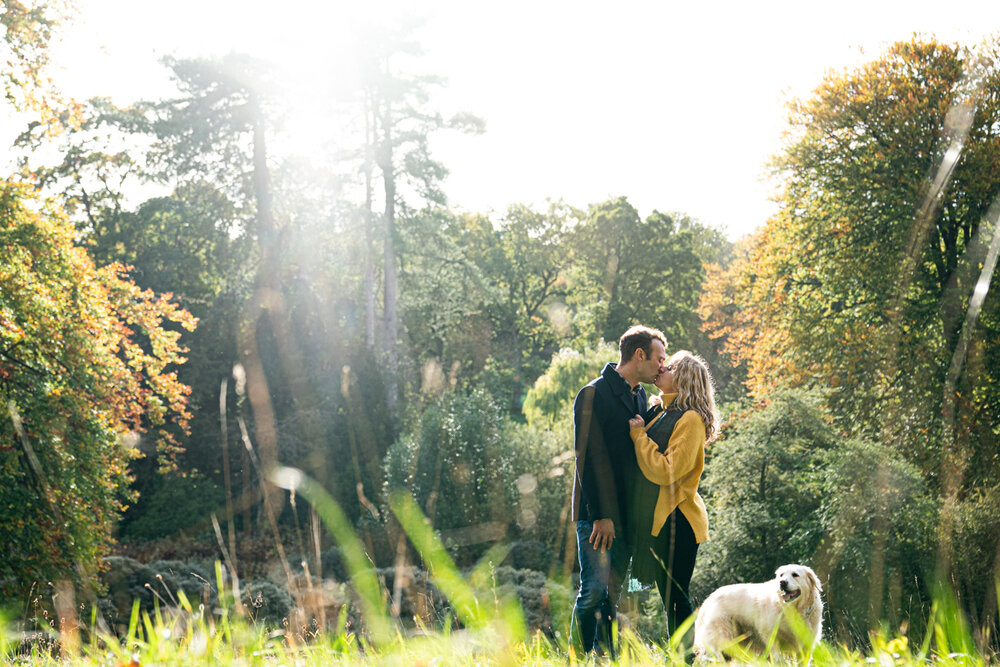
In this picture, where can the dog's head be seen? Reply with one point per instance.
(795, 582)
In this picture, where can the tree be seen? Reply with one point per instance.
(219, 126)
(444, 298)
(27, 32)
(528, 272)
(877, 553)
(87, 372)
(785, 486)
(459, 468)
(96, 167)
(398, 125)
(870, 263)
(630, 271)
(522, 264)
(550, 400)
(191, 243)
(873, 281)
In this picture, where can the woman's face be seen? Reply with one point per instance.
(665, 380)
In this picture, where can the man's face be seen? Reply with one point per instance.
(653, 365)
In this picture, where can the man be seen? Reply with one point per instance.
(605, 469)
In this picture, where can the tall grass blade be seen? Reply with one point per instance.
(439, 564)
(684, 630)
(951, 630)
(6, 645)
(133, 624)
(378, 623)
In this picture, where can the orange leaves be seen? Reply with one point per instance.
(87, 357)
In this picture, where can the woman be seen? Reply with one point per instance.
(671, 454)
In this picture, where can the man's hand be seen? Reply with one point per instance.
(603, 534)
(636, 422)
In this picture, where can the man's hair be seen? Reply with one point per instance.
(639, 338)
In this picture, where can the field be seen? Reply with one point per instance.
(487, 626)
(197, 636)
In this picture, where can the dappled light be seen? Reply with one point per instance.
(273, 394)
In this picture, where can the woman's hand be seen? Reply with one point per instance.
(636, 422)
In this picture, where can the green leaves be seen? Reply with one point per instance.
(630, 271)
(87, 363)
(859, 282)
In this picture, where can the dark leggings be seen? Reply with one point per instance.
(677, 548)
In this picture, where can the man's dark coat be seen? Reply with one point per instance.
(606, 466)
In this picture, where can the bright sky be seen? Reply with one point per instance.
(676, 105)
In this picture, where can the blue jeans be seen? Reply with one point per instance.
(601, 578)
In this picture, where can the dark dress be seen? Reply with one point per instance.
(646, 564)
(666, 560)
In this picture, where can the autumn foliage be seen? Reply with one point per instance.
(860, 281)
(86, 375)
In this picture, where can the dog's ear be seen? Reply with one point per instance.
(814, 580)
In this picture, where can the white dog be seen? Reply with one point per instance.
(747, 614)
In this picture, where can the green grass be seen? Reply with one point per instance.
(195, 636)
(486, 630)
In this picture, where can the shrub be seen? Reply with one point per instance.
(266, 602)
(784, 486)
(974, 555)
(418, 598)
(762, 490)
(550, 401)
(877, 551)
(546, 603)
(530, 555)
(543, 477)
(126, 580)
(174, 503)
(87, 369)
(459, 467)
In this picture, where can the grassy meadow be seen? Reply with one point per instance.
(196, 635)
(482, 625)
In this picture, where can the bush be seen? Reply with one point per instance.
(546, 603)
(877, 552)
(783, 486)
(458, 465)
(543, 478)
(126, 580)
(550, 401)
(530, 555)
(419, 599)
(174, 503)
(974, 558)
(762, 489)
(266, 602)
(82, 370)
(333, 564)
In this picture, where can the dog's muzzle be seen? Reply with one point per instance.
(787, 594)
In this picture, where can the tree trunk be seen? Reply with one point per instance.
(266, 298)
(389, 265)
(370, 139)
(262, 185)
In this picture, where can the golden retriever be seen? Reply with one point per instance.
(748, 614)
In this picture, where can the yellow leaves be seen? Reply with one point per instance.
(82, 330)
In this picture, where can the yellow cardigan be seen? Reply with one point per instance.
(677, 471)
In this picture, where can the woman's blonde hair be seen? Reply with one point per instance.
(695, 389)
